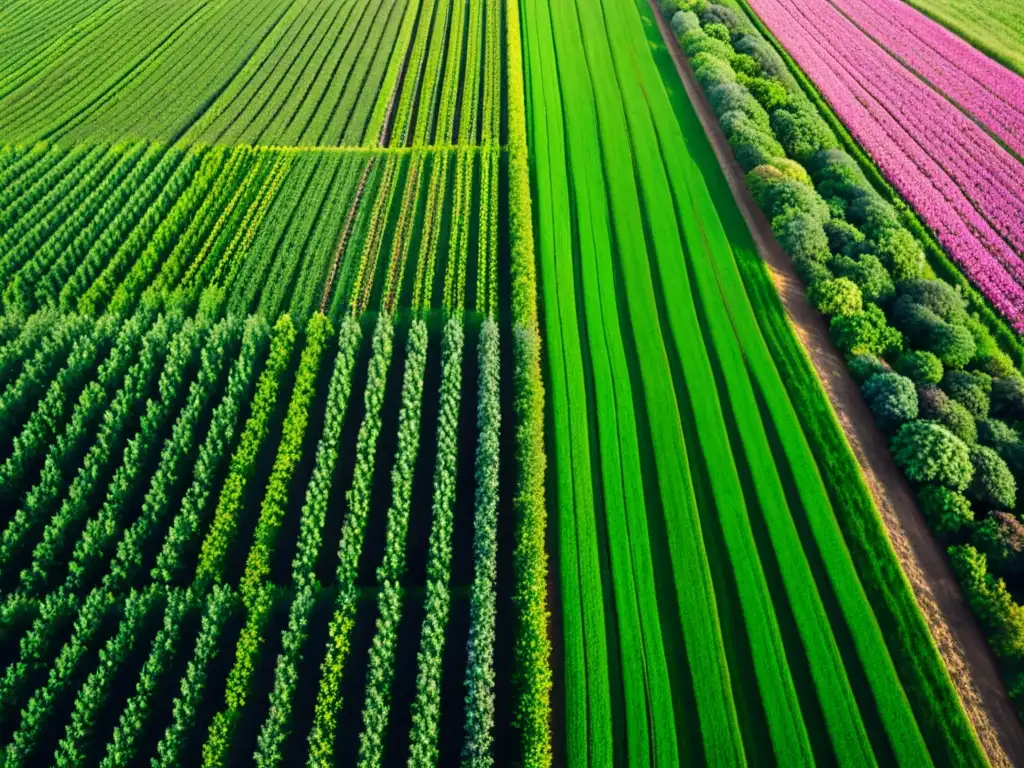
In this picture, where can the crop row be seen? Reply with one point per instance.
(164, 443)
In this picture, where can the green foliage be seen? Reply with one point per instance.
(124, 744)
(1001, 617)
(313, 516)
(863, 367)
(683, 22)
(483, 596)
(901, 254)
(220, 603)
(891, 398)
(958, 420)
(776, 193)
(992, 485)
(243, 462)
(930, 453)
(801, 132)
(969, 390)
(1007, 398)
(745, 64)
(213, 454)
(717, 31)
(328, 701)
(770, 94)
(426, 707)
(381, 665)
(947, 512)
(752, 144)
(865, 333)
(836, 297)
(710, 70)
(802, 237)
(920, 366)
(868, 273)
(1001, 538)
(843, 237)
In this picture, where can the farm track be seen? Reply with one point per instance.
(955, 632)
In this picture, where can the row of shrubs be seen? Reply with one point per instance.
(950, 400)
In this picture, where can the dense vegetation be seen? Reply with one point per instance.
(257, 349)
(931, 371)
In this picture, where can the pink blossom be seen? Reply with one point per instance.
(964, 185)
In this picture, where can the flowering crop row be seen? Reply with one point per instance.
(967, 188)
(981, 87)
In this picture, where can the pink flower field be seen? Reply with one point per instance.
(935, 114)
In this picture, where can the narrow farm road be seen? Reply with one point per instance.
(954, 629)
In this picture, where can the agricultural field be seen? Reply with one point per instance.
(943, 121)
(995, 27)
(401, 383)
(270, 410)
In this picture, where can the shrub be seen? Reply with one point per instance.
(953, 344)
(811, 271)
(863, 367)
(717, 31)
(791, 169)
(745, 64)
(757, 48)
(958, 420)
(921, 367)
(900, 252)
(727, 17)
(875, 216)
(842, 235)
(891, 398)
(1001, 617)
(733, 97)
(967, 389)
(995, 433)
(915, 320)
(865, 332)
(837, 174)
(929, 453)
(683, 22)
(695, 41)
(1001, 539)
(988, 357)
(753, 145)
(802, 132)
(993, 484)
(836, 207)
(839, 296)
(770, 94)
(947, 511)
(802, 237)
(868, 273)
(711, 70)
(1008, 398)
(931, 401)
(941, 298)
(777, 193)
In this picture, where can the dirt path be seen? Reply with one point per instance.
(954, 628)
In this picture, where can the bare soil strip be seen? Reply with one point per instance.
(953, 626)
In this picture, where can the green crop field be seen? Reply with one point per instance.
(397, 382)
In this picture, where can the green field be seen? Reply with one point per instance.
(397, 383)
(269, 416)
(674, 431)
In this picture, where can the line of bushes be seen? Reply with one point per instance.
(937, 381)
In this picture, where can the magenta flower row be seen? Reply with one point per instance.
(966, 187)
(988, 92)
